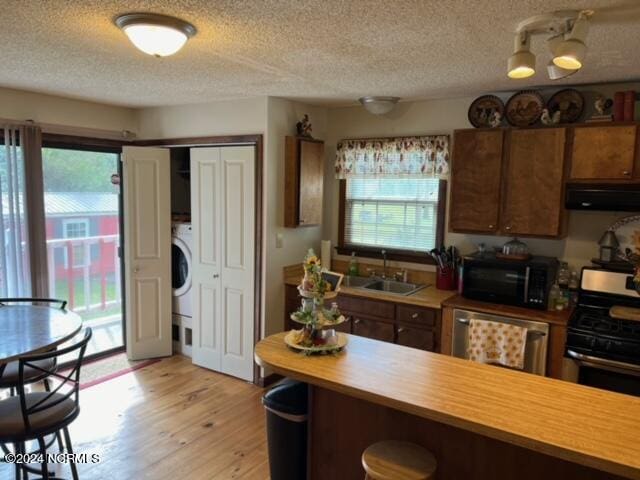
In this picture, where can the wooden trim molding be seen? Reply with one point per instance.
(200, 141)
(400, 255)
(73, 142)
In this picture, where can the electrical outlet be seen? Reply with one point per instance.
(279, 240)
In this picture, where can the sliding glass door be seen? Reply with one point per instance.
(82, 215)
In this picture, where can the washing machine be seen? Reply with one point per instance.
(181, 265)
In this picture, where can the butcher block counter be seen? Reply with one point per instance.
(480, 422)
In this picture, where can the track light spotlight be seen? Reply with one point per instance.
(571, 52)
(522, 63)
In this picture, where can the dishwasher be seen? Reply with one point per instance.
(535, 352)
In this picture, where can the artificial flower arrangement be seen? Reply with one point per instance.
(316, 287)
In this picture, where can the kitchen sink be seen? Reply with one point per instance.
(355, 281)
(391, 286)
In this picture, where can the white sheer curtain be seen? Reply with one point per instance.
(15, 275)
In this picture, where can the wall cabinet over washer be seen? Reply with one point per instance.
(304, 174)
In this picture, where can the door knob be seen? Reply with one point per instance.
(215, 275)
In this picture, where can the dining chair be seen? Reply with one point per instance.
(34, 415)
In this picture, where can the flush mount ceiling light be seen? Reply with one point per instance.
(157, 35)
(378, 105)
(568, 30)
(522, 63)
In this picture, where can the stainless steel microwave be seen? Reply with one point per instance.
(524, 283)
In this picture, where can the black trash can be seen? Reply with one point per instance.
(286, 409)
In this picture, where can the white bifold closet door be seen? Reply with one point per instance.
(147, 251)
(223, 222)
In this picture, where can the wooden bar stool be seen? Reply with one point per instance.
(393, 460)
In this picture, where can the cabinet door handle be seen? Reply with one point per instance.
(356, 321)
(401, 329)
(491, 227)
(626, 173)
(415, 315)
(507, 228)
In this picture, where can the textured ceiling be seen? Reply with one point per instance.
(326, 52)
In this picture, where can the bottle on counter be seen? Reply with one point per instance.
(554, 296)
(564, 275)
(353, 269)
(574, 285)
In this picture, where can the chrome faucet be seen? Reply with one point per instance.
(384, 263)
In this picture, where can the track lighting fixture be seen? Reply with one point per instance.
(568, 30)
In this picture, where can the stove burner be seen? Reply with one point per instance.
(601, 323)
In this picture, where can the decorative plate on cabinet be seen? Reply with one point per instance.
(627, 231)
(482, 110)
(524, 108)
(570, 102)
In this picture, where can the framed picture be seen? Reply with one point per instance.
(334, 278)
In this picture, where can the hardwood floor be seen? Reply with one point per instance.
(170, 420)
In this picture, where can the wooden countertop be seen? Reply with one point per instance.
(580, 424)
(547, 316)
(429, 297)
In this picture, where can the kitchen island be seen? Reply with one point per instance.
(480, 422)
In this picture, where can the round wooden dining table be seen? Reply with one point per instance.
(26, 329)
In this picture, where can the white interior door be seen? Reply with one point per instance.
(223, 220)
(147, 251)
(206, 226)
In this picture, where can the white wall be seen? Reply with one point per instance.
(21, 105)
(443, 117)
(282, 116)
(231, 117)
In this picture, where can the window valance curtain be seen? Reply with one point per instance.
(424, 156)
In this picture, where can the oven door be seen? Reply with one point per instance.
(606, 374)
(496, 282)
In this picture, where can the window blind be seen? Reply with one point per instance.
(396, 213)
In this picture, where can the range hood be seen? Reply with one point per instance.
(611, 197)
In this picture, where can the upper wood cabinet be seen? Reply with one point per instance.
(475, 181)
(304, 174)
(533, 202)
(604, 153)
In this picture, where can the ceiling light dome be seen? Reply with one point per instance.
(522, 63)
(378, 105)
(157, 35)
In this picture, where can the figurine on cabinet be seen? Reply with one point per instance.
(601, 105)
(547, 119)
(495, 119)
(303, 127)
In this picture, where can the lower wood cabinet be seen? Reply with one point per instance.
(370, 328)
(407, 325)
(410, 336)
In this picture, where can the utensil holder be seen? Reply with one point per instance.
(446, 279)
